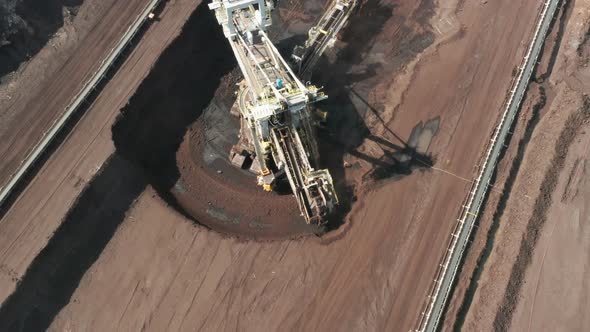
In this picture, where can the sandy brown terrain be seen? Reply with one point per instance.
(556, 294)
(426, 82)
(43, 205)
(533, 274)
(38, 93)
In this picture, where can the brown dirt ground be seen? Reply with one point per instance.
(534, 272)
(124, 250)
(231, 202)
(40, 90)
(40, 210)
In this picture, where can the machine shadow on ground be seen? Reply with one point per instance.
(146, 137)
(55, 273)
(171, 98)
(347, 87)
(401, 157)
(27, 26)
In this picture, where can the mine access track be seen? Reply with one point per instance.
(443, 283)
(87, 89)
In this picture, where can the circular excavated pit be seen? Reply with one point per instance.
(224, 197)
(178, 128)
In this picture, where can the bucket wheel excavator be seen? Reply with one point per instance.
(275, 106)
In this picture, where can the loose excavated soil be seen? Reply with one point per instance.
(532, 274)
(411, 84)
(231, 202)
(202, 183)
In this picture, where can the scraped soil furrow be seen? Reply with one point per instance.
(500, 207)
(535, 224)
(484, 250)
(554, 39)
(583, 49)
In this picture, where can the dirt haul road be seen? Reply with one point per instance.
(427, 79)
(533, 273)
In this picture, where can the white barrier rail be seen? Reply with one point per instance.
(86, 90)
(446, 274)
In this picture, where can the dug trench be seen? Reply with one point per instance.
(160, 141)
(535, 224)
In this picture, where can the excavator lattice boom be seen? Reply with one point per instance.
(275, 106)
